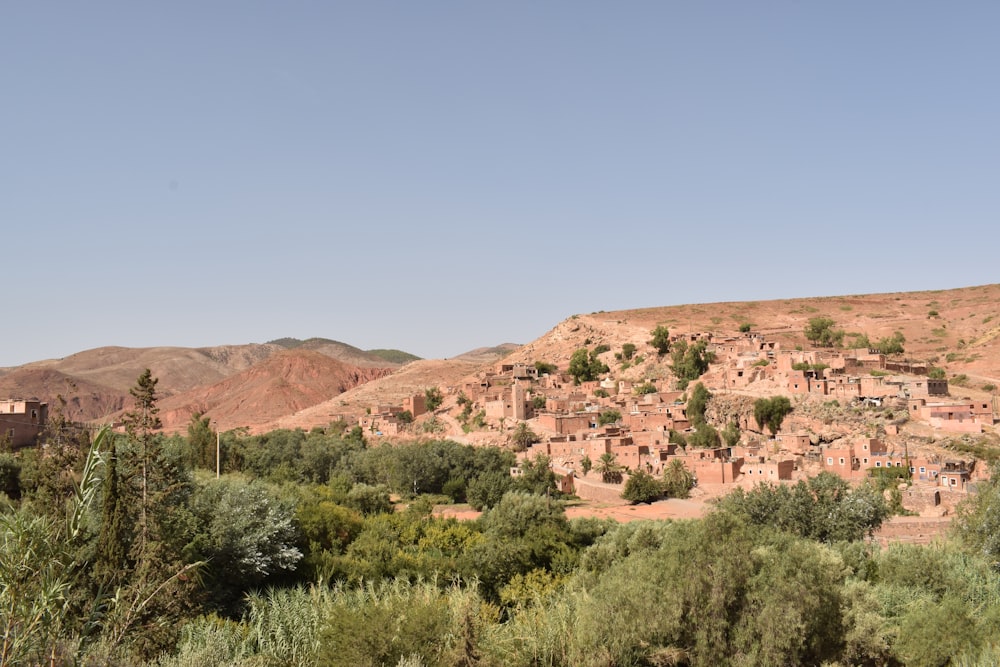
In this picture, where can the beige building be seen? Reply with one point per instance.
(22, 421)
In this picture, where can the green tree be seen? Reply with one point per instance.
(689, 362)
(201, 442)
(579, 366)
(545, 368)
(820, 331)
(697, 404)
(641, 487)
(537, 476)
(586, 464)
(677, 480)
(771, 412)
(892, 344)
(246, 535)
(140, 425)
(705, 436)
(40, 561)
(585, 366)
(523, 437)
(978, 521)
(487, 489)
(607, 466)
(660, 340)
(731, 434)
(628, 351)
(434, 398)
(644, 388)
(610, 416)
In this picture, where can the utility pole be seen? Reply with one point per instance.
(217, 448)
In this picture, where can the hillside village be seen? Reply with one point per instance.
(853, 410)
(595, 395)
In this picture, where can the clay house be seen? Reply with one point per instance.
(510, 403)
(841, 462)
(844, 387)
(923, 387)
(565, 424)
(22, 421)
(723, 469)
(570, 447)
(798, 382)
(955, 476)
(415, 404)
(796, 443)
(925, 470)
(862, 358)
(648, 421)
(768, 471)
(874, 387)
(954, 417)
(650, 439)
(517, 371)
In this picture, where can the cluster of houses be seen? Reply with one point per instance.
(569, 415)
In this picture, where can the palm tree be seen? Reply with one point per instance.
(611, 472)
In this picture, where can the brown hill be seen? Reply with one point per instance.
(285, 383)
(85, 400)
(957, 329)
(412, 378)
(178, 369)
(344, 352)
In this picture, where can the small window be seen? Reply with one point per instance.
(954, 482)
(878, 464)
(922, 470)
(829, 460)
(841, 460)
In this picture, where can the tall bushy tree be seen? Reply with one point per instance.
(660, 339)
(140, 425)
(697, 404)
(820, 331)
(690, 361)
(771, 412)
(641, 487)
(433, 397)
(585, 365)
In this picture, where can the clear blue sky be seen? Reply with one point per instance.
(438, 176)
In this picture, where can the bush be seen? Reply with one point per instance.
(660, 340)
(609, 417)
(821, 332)
(771, 412)
(641, 487)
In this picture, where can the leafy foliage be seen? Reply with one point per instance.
(641, 487)
(690, 361)
(433, 398)
(610, 416)
(824, 508)
(660, 340)
(697, 404)
(585, 366)
(820, 331)
(771, 412)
